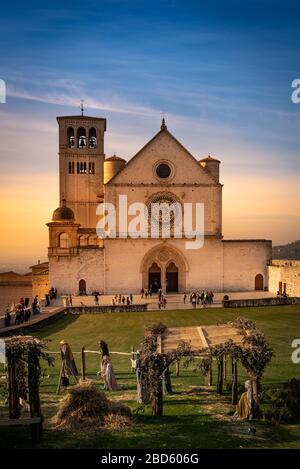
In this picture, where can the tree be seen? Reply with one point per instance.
(154, 363)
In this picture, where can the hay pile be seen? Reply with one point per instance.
(85, 408)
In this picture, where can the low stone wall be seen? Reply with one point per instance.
(260, 302)
(107, 309)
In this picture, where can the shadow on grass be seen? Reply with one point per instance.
(57, 326)
(146, 432)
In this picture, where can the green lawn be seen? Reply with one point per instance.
(194, 417)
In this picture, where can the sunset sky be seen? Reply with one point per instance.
(220, 74)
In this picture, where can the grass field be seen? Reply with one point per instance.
(194, 416)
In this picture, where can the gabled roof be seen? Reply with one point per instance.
(163, 130)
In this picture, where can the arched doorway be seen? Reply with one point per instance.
(154, 277)
(82, 287)
(172, 278)
(163, 256)
(259, 282)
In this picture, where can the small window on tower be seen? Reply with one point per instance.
(91, 168)
(64, 240)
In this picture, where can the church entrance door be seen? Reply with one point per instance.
(172, 278)
(82, 287)
(154, 277)
(259, 282)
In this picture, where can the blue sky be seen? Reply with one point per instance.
(220, 71)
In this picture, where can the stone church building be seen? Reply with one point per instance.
(162, 171)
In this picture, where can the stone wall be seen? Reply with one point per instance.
(243, 260)
(287, 272)
(257, 302)
(66, 272)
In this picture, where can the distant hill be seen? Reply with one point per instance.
(287, 251)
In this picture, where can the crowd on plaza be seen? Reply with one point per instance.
(21, 312)
(196, 298)
(121, 299)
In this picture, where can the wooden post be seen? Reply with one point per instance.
(157, 400)
(157, 396)
(13, 398)
(255, 411)
(210, 373)
(220, 375)
(132, 357)
(208, 376)
(234, 389)
(225, 368)
(59, 379)
(34, 396)
(83, 367)
(177, 367)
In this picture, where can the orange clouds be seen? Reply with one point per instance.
(26, 205)
(253, 207)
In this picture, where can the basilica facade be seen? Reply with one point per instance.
(162, 171)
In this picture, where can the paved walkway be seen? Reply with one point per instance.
(174, 300)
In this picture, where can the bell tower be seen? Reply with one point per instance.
(81, 165)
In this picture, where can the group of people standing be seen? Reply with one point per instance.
(122, 300)
(145, 293)
(196, 298)
(22, 311)
(162, 300)
(51, 295)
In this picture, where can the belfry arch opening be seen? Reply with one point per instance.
(154, 277)
(81, 137)
(71, 137)
(92, 138)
